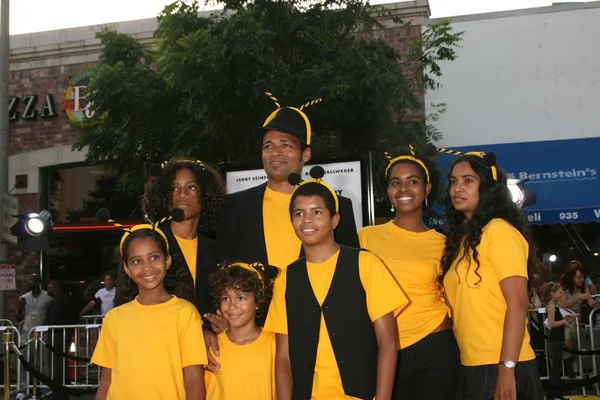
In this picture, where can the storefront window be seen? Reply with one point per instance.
(73, 195)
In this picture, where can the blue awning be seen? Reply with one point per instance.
(562, 173)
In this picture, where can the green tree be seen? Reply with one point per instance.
(193, 92)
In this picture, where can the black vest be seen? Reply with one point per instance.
(350, 328)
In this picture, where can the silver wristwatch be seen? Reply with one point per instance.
(508, 364)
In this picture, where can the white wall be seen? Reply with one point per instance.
(523, 76)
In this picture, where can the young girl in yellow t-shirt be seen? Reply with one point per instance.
(486, 266)
(152, 346)
(246, 353)
(428, 357)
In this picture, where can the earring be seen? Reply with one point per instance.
(392, 209)
(425, 201)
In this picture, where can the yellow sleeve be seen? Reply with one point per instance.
(384, 294)
(277, 316)
(193, 351)
(105, 354)
(362, 238)
(507, 250)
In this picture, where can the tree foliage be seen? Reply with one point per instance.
(193, 92)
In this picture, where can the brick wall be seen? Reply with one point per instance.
(36, 134)
(40, 133)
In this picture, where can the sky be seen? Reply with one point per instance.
(43, 15)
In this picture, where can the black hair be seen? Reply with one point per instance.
(434, 175)
(495, 201)
(314, 189)
(567, 280)
(157, 198)
(178, 280)
(238, 278)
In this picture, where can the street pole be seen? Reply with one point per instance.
(4, 83)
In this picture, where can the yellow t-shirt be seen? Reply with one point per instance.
(414, 261)
(247, 371)
(189, 248)
(283, 246)
(383, 296)
(147, 348)
(480, 308)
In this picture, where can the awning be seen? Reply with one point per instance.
(562, 173)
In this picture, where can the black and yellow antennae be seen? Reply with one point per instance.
(412, 149)
(324, 94)
(272, 97)
(491, 164)
(449, 151)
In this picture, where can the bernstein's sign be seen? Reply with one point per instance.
(75, 103)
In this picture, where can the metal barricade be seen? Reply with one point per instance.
(12, 374)
(75, 340)
(6, 322)
(581, 375)
(593, 332)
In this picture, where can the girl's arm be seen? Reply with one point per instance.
(566, 303)
(514, 290)
(193, 377)
(552, 323)
(387, 337)
(283, 368)
(105, 380)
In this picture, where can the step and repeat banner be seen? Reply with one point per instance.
(350, 177)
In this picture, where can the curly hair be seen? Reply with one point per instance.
(178, 280)
(238, 278)
(434, 175)
(567, 280)
(314, 189)
(157, 198)
(495, 201)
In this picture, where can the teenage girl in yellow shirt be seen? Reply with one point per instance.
(151, 347)
(486, 265)
(242, 293)
(428, 357)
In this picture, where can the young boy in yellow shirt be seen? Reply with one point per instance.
(332, 310)
(246, 353)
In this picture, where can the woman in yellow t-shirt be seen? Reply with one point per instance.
(242, 293)
(149, 347)
(428, 357)
(485, 268)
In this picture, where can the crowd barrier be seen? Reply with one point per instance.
(583, 356)
(54, 357)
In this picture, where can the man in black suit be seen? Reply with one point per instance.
(255, 223)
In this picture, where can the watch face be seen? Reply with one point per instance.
(509, 364)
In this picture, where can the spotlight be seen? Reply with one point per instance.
(33, 228)
(521, 195)
(552, 258)
(596, 254)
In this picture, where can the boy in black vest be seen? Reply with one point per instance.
(332, 310)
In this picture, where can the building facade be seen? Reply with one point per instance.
(48, 75)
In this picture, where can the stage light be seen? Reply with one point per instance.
(521, 195)
(552, 258)
(33, 228)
